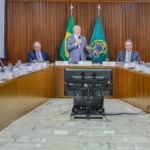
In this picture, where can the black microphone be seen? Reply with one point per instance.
(79, 37)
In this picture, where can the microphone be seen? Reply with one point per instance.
(79, 45)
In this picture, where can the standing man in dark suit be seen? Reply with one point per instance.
(129, 55)
(76, 45)
(37, 54)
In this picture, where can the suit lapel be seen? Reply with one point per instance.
(43, 55)
(124, 55)
(73, 38)
(132, 54)
(35, 57)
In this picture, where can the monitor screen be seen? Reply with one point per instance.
(94, 81)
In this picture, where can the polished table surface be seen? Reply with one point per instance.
(128, 85)
(133, 87)
(22, 94)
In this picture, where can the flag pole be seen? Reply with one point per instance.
(71, 9)
(63, 50)
(99, 9)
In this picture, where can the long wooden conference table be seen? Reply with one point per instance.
(20, 95)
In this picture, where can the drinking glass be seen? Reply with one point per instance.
(70, 61)
(10, 66)
(107, 59)
(18, 63)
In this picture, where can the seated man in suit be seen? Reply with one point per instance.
(37, 54)
(76, 45)
(129, 55)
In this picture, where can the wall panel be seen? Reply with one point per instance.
(46, 21)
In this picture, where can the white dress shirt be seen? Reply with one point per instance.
(39, 56)
(76, 37)
(128, 56)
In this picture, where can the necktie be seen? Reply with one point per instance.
(128, 57)
(38, 56)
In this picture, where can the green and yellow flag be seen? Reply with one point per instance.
(99, 48)
(63, 51)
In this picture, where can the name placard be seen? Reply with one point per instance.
(37, 66)
(85, 63)
(61, 63)
(8, 75)
(109, 63)
(130, 65)
(146, 70)
(139, 68)
(44, 64)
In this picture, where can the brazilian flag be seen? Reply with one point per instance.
(63, 51)
(99, 48)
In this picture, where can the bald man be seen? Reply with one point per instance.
(37, 54)
(76, 45)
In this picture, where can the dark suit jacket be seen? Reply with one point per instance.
(32, 56)
(135, 56)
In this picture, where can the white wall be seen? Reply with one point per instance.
(2, 28)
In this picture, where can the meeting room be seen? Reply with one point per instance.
(74, 75)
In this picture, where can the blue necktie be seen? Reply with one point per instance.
(38, 56)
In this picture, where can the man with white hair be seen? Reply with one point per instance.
(37, 54)
(76, 45)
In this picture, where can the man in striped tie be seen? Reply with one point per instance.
(37, 54)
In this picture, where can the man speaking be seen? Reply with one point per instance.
(76, 45)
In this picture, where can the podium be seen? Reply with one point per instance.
(88, 86)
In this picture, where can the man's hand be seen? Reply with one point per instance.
(78, 41)
(88, 47)
(142, 62)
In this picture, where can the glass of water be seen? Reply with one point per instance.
(18, 63)
(107, 59)
(10, 66)
(70, 61)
